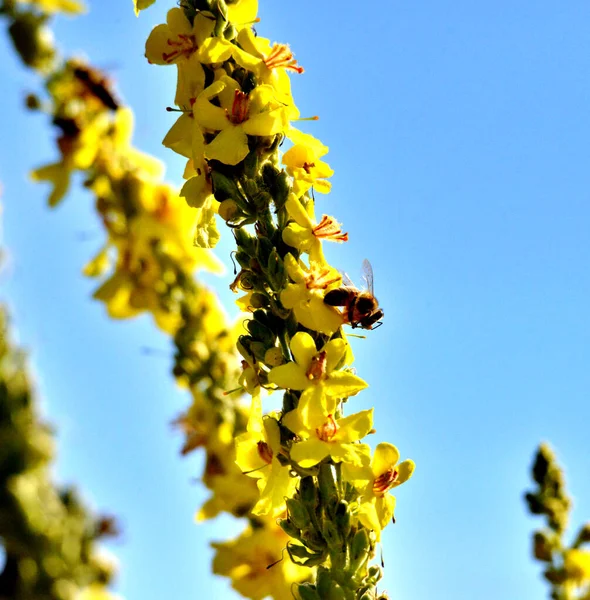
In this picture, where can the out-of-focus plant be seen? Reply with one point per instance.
(48, 535)
(314, 473)
(566, 566)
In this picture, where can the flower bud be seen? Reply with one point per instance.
(307, 591)
(359, 549)
(289, 528)
(258, 300)
(342, 518)
(297, 513)
(542, 547)
(308, 493)
(328, 485)
(229, 210)
(274, 357)
(276, 272)
(332, 535)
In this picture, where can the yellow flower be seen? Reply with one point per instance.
(238, 116)
(253, 562)
(323, 435)
(140, 5)
(384, 474)
(242, 13)
(177, 42)
(268, 62)
(305, 234)
(306, 295)
(304, 165)
(257, 453)
(577, 564)
(314, 373)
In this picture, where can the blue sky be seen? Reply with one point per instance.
(459, 136)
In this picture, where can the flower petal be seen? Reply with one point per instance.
(289, 377)
(303, 349)
(309, 452)
(385, 457)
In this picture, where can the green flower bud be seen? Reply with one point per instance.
(33, 41)
(281, 190)
(328, 485)
(258, 300)
(229, 210)
(289, 528)
(359, 549)
(542, 546)
(297, 513)
(308, 493)
(276, 272)
(307, 591)
(274, 357)
(261, 333)
(342, 518)
(332, 535)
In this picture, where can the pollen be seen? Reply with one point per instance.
(328, 430)
(239, 109)
(329, 229)
(385, 482)
(182, 45)
(265, 452)
(281, 56)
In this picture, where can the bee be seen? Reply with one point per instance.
(361, 308)
(96, 84)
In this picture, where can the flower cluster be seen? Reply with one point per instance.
(147, 263)
(311, 465)
(567, 567)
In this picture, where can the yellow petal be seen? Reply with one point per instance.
(230, 146)
(303, 349)
(309, 452)
(290, 376)
(385, 458)
(355, 427)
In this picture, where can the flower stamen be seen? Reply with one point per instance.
(317, 368)
(385, 482)
(329, 229)
(239, 109)
(328, 430)
(281, 56)
(265, 452)
(186, 46)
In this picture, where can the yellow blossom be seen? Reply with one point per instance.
(315, 374)
(376, 480)
(323, 435)
(238, 116)
(177, 42)
(253, 562)
(257, 453)
(96, 591)
(242, 13)
(305, 234)
(306, 294)
(303, 163)
(576, 563)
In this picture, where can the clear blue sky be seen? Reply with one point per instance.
(459, 136)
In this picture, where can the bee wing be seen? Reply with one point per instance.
(346, 280)
(368, 275)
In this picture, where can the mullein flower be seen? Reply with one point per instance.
(315, 374)
(382, 475)
(303, 163)
(576, 564)
(305, 234)
(238, 116)
(253, 563)
(257, 453)
(323, 435)
(305, 296)
(177, 42)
